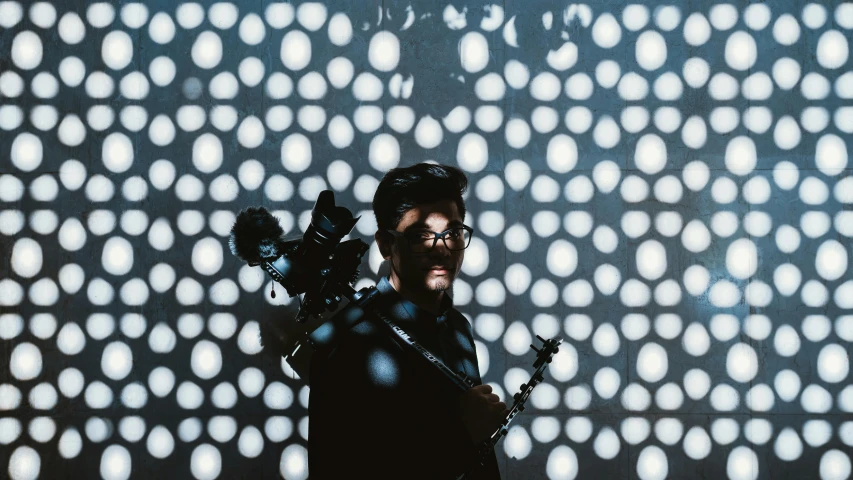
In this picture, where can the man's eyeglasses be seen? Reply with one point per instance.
(456, 238)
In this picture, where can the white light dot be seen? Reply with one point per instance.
(26, 152)
(70, 382)
(843, 15)
(606, 444)
(545, 87)
(831, 154)
(161, 380)
(562, 258)
(224, 86)
(742, 464)
(206, 359)
(25, 362)
(116, 360)
(252, 30)
(472, 153)
(740, 51)
(205, 462)
(10, 14)
(695, 341)
(605, 341)
(24, 464)
(652, 363)
(98, 395)
(384, 51)
(517, 133)
(27, 50)
(833, 363)
(162, 339)
(814, 15)
(650, 50)
(635, 397)
(786, 30)
(697, 443)
(652, 463)
(786, 72)
(473, 52)
(633, 87)
(295, 50)
(190, 396)
(786, 341)
(384, 152)
(296, 153)
(26, 258)
(250, 134)
(606, 32)
(562, 154)
(341, 133)
(635, 17)
(696, 72)
(757, 86)
(279, 118)
(161, 28)
(294, 462)
(134, 15)
(71, 28)
(835, 465)
(340, 29)
(251, 381)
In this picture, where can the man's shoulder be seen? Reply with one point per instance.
(364, 337)
(458, 320)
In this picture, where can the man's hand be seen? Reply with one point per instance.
(482, 412)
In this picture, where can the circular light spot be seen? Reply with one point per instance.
(786, 73)
(696, 72)
(24, 464)
(205, 462)
(296, 153)
(27, 50)
(635, 17)
(25, 362)
(650, 50)
(833, 363)
(607, 73)
(740, 51)
(384, 51)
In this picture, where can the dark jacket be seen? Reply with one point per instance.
(376, 412)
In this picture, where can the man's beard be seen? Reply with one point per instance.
(439, 285)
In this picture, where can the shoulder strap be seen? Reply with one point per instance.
(462, 382)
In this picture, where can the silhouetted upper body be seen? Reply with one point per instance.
(377, 412)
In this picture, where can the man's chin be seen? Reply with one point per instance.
(439, 284)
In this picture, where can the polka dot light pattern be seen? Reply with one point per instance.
(681, 217)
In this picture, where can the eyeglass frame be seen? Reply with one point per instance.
(435, 237)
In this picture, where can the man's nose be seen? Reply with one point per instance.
(441, 250)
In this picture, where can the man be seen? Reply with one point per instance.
(375, 411)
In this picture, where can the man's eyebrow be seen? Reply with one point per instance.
(423, 225)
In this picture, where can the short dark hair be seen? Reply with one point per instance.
(403, 188)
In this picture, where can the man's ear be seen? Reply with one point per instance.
(384, 244)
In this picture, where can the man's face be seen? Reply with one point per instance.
(418, 271)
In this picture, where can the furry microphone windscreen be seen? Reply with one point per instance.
(255, 235)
